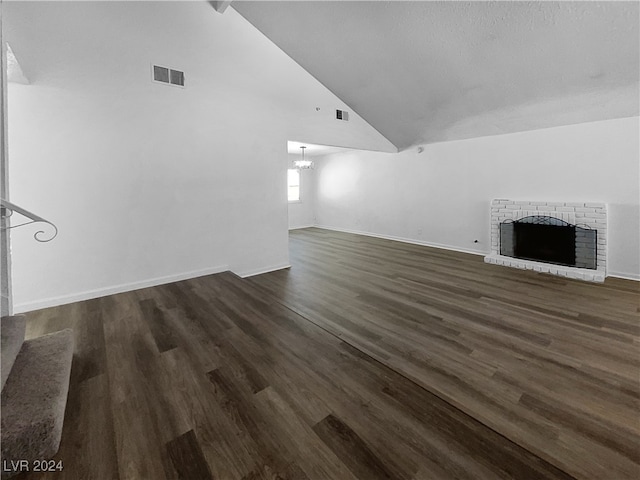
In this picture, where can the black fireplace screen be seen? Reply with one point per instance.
(551, 240)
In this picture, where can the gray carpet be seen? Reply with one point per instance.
(35, 396)
(12, 338)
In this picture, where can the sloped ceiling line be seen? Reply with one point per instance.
(425, 72)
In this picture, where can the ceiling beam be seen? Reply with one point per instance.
(14, 71)
(220, 5)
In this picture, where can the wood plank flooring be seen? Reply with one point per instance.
(367, 359)
(550, 363)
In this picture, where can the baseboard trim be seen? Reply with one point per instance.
(251, 273)
(103, 292)
(403, 240)
(301, 226)
(625, 276)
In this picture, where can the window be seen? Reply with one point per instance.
(293, 184)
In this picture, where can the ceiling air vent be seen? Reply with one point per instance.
(168, 76)
(342, 115)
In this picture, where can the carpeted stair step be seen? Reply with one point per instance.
(34, 399)
(12, 337)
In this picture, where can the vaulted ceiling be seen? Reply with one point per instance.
(424, 71)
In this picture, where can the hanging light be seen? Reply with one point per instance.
(302, 163)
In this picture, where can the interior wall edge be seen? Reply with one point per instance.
(6, 295)
(260, 271)
(298, 227)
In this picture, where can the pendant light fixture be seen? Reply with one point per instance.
(303, 163)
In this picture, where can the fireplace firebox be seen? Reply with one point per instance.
(587, 231)
(548, 239)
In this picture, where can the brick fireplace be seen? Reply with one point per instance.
(589, 220)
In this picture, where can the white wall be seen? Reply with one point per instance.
(442, 195)
(302, 213)
(149, 183)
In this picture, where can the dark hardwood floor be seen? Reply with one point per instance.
(367, 359)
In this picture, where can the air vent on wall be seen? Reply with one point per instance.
(168, 76)
(342, 115)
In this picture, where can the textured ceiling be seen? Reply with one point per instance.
(423, 72)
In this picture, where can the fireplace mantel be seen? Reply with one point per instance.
(587, 214)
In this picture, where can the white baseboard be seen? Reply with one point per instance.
(251, 273)
(102, 292)
(403, 240)
(625, 276)
(298, 227)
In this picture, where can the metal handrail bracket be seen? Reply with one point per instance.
(8, 209)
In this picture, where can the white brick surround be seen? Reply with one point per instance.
(591, 215)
